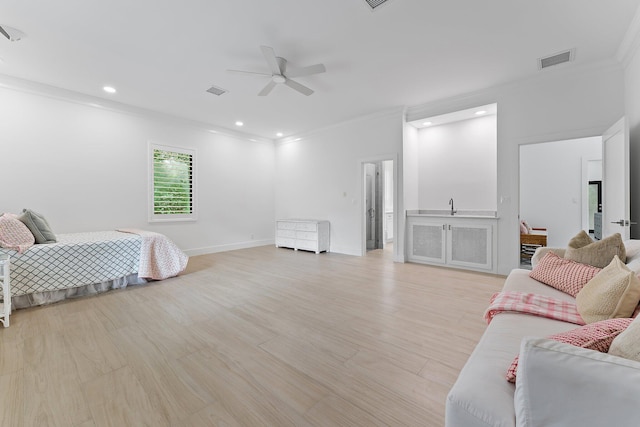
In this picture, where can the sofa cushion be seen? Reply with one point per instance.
(595, 336)
(14, 234)
(627, 344)
(563, 385)
(563, 274)
(38, 225)
(599, 254)
(614, 292)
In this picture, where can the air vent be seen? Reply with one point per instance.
(556, 59)
(216, 90)
(376, 3)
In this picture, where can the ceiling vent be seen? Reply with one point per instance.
(216, 90)
(375, 3)
(556, 59)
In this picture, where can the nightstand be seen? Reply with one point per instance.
(5, 286)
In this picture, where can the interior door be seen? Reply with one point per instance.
(370, 201)
(615, 181)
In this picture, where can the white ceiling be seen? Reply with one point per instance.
(163, 54)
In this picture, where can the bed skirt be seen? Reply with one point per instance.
(48, 297)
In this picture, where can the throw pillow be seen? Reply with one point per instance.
(563, 274)
(38, 226)
(595, 336)
(14, 234)
(627, 344)
(599, 254)
(614, 292)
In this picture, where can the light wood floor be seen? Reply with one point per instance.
(255, 337)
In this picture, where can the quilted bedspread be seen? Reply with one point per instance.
(160, 258)
(77, 259)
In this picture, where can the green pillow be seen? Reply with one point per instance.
(38, 226)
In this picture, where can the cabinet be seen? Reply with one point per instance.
(304, 234)
(457, 242)
(5, 285)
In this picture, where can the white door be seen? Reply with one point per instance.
(370, 201)
(615, 181)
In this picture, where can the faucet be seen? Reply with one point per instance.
(451, 203)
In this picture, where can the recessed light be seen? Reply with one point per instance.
(109, 89)
(481, 112)
(279, 134)
(239, 123)
(427, 124)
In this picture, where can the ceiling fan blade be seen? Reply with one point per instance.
(298, 87)
(267, 89)
(4, 33)
(250, 72)
(306, 71)
(272, 60)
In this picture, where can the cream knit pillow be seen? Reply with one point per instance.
(614, 292)
(627, 344)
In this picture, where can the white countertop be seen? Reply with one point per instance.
(434, 213)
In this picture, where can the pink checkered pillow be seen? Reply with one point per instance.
(14, 234)
(563, 274)
(595, 336)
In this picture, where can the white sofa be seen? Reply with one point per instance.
(557, 384)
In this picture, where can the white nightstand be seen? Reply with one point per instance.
(5, 286)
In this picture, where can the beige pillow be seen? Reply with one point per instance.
(627, 344)
(598, 254)
(614, 292)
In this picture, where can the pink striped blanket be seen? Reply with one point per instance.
(160, 258)
(534, 304)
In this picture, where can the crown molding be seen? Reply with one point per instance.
(48, 91)
(631, 42)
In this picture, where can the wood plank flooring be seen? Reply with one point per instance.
(255, 337)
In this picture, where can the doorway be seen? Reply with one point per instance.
(374, 194)
(378, 206)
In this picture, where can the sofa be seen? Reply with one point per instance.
(557, 384)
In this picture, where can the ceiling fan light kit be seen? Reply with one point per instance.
(280, 75)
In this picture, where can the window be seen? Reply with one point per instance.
(172, 184)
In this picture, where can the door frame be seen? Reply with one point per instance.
(362, 208)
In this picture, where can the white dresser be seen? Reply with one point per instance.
(305, 234)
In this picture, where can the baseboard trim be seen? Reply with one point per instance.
(229, 247)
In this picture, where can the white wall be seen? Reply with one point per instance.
(85, 168)
(321, 176)
(552, 184)
(458, 160)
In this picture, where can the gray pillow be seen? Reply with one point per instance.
(599, 254)
(38, 226)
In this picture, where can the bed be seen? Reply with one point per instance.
(88, 263)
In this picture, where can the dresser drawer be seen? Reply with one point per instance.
(286, 233)
(306, 226)
(307, 235)
(286, 242)
(286, 225)
(307, 245)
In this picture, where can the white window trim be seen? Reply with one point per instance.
(152, 217)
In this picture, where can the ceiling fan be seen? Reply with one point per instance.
(279, 73)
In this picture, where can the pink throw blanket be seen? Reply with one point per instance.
(160, 258)
(537, 305)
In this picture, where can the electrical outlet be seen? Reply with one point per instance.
(252, 237)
